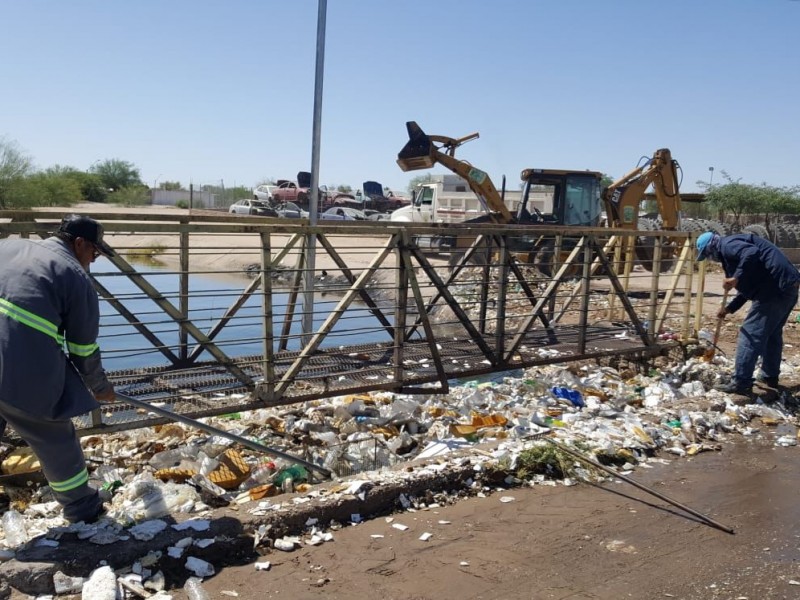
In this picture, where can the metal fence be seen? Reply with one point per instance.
(204, 313)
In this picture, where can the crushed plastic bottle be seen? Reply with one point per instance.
(14, 529)
(194, 589)
(264, 472)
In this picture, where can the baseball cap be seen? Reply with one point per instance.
(703, 245)
(86, 228)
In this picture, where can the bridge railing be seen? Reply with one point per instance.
(205, 312)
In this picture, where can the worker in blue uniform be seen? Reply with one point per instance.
(762, 274)
(50, 367)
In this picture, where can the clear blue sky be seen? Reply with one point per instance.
(205, 90)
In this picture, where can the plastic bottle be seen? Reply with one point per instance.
(686, 421)
(14, 529)
(294, 472)
(194, 589)
(263, 472)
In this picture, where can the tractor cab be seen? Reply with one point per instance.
(558, 197)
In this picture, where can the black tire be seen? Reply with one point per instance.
(758, 230)
(784, 236)
(645, 249)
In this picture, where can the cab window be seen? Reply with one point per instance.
(424, 196)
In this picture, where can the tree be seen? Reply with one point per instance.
(117, 174)
(90, 184)
(741, 198)
(345, 189)
(172, 186)
(138, 195)
(46, 189)
(606, 180)
(14, 166)
(418, 180)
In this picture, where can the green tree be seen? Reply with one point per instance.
(91, 185)
(14, 166)
(418, 180)
(740, 199)
(46, 189)
(172, 186)
(345, 189)
(606, 180)
(131, 196)
(117, 174)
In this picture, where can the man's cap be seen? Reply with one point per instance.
(703, 243)
(87, 228)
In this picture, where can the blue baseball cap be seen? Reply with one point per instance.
(703, 243)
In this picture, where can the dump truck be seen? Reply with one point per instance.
(448, 199)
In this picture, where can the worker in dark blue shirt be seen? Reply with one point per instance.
(762, 274)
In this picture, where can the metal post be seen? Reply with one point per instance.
(400, 311)
(687, 305)
(502, 289)
(266, 390)
(651, 326)
(586, 285)
(699, 298)
(183, 299)
(313, 207)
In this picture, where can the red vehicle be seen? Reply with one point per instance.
(299, 192)
(376, 198)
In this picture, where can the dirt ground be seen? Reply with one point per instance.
(580, 542)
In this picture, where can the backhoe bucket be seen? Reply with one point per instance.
(418, 152)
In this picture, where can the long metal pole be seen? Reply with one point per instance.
(313, 205)
(220, 432)
(635, 483)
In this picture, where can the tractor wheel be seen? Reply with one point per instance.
(758, 230)
(645, 248)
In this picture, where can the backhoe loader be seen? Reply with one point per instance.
(577, 199)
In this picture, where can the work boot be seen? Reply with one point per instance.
(771, 382)
(733, 387)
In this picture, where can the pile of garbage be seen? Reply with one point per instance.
(621, 417)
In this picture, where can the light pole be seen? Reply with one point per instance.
(155, 181)
(711, 177)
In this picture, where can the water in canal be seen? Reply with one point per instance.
(123, 347)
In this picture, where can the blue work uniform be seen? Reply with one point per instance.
(49, 361)
(766, 278)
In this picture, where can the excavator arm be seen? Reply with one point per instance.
(421, 152)
(622, 198)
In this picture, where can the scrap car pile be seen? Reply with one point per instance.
(174, 474)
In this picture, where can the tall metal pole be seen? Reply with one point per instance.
(313, 207)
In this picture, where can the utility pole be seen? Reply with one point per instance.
(313, 207)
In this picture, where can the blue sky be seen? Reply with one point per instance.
(206, 91)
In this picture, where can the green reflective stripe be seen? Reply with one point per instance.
(71, 483)
(31, 320)
(82, 349)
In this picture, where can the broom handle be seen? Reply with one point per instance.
(720, 319)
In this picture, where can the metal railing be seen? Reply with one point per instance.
(204, 312)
